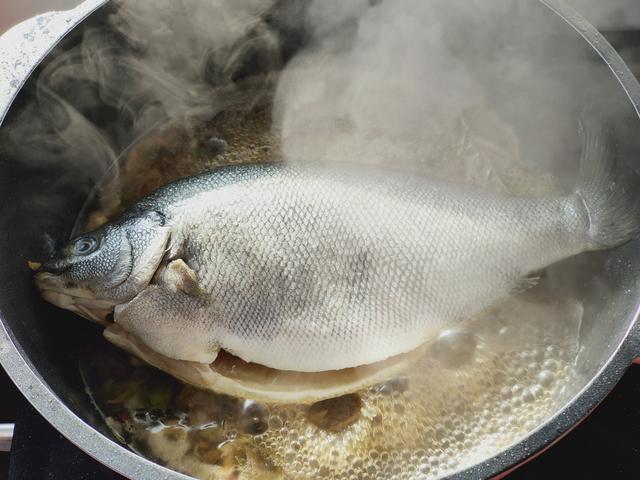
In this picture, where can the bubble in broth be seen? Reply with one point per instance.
(432, 421)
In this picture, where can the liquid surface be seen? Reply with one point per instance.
(478, 390)
(483, 385)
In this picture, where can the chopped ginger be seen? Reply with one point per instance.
(34, 265)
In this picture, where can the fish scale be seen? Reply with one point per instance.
(314, 269)
(284, 272)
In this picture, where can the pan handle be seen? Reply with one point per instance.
(6, 436)
(24, 45)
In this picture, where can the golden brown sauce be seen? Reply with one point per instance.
(442, 415)
(481, 387)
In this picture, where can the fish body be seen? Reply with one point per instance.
(310, 269)
(307, 270)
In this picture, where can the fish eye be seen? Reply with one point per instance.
(85, 245)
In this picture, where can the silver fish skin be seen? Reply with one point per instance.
(312, 269)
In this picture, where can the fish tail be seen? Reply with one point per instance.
(609, 190)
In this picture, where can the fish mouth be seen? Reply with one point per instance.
(80, 300)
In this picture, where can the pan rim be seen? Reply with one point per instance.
(23, 373)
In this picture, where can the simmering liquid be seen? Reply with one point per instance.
(478, 389)
(483, 385)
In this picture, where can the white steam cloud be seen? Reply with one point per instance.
(435, 86)
(383, 95)
(483, 91)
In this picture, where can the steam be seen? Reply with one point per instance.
(449, 89)
(145, 64)
(150, 62)
(428, 86)
(384, 93)
(190, 51)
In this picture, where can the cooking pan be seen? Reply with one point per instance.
(35, 340)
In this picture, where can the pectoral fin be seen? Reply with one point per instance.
(524, 284)
(178, 276)
(171, 323)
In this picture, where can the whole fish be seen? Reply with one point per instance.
(313, 269)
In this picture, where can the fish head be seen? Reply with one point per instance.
(94, 272)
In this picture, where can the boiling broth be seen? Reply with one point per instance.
(482, 385)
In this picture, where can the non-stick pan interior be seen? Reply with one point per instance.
(42, 192)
